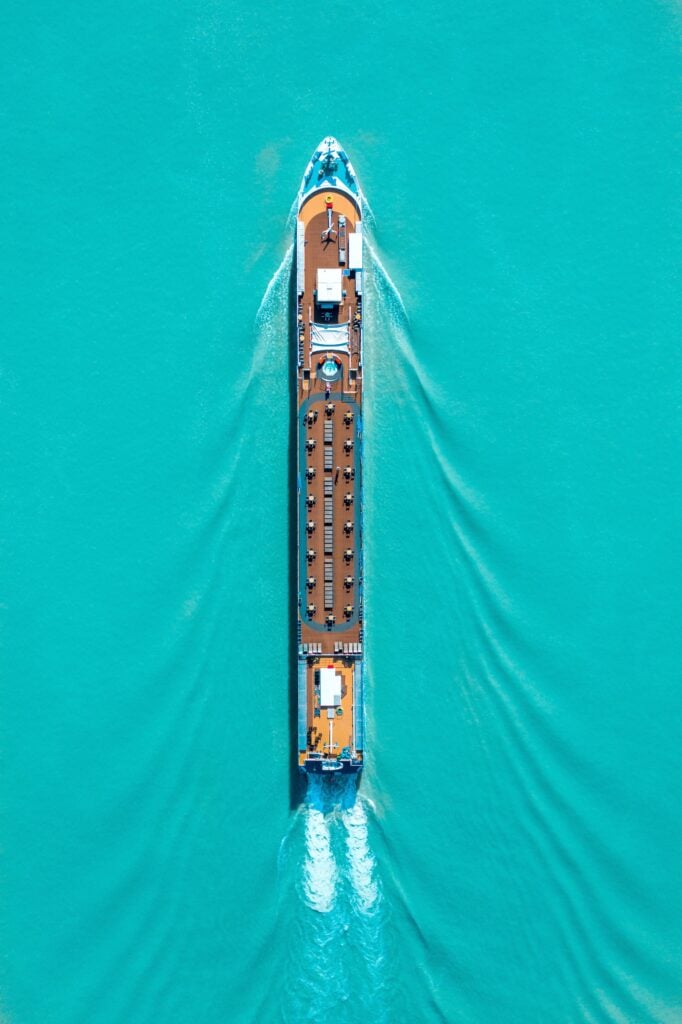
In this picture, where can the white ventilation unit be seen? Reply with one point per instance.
(329, 284)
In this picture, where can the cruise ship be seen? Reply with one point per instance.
(329, 333)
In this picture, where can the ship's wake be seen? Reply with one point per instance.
(320, 873)
(270, 357)
(338, 960)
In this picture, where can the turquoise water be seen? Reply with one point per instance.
(514, 854)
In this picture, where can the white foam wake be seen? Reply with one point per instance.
(384, 281)
(275, 297)
(361, 860)
(320, 875)
(281, 274)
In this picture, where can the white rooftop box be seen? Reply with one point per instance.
(329, 284)
(330, 688)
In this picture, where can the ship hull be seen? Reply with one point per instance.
(329, 327)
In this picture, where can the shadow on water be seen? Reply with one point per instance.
(296, 777)
(327, 793)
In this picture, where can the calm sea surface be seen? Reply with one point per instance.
(514, 853)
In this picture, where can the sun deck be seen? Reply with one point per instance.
(330, 725)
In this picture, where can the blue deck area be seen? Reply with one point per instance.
(329, 167)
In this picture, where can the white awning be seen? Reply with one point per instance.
(329, 336)
(330, 688)
(329, 284)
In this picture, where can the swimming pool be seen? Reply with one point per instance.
(330, 369)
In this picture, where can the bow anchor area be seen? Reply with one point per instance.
(330, 234)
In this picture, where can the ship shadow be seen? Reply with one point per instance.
(328, 793)
(297, 786)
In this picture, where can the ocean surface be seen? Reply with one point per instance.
(514, 852)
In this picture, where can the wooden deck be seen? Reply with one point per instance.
(321, 739)
(330, 484)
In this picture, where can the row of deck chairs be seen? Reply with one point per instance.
(341, 648)
(312, 648)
